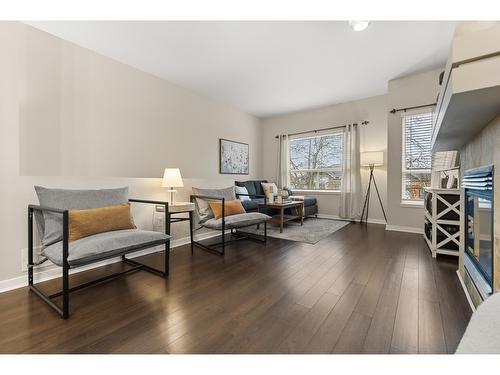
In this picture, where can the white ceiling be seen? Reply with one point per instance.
(268, 68)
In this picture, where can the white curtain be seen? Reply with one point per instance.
(350, 195)
(283, 172)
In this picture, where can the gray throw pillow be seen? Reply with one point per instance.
(66, 199)
(202, 207)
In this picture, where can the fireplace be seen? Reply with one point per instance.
(478, 245)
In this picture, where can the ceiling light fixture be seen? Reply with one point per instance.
(359, 25)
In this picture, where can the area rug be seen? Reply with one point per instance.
(313, 230)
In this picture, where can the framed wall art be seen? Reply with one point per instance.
(234, 157)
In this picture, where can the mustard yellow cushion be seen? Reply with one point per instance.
(84, 223)
(233, 207)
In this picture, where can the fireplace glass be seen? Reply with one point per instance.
(479, 247)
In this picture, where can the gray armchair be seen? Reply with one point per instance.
(53, 225)
(205, 219)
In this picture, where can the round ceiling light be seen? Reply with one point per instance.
(359, 25)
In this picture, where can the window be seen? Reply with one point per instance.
(417, 156)
(316, 162)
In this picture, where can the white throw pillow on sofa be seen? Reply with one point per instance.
(269, 187)
(242, 190)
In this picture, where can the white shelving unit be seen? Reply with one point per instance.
(443, 221)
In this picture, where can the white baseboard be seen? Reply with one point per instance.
(398, 228)
(336, 217)
(52, 272)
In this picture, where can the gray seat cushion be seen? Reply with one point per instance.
(238, 221)
(203, 209)
(104, 245)
(50, 224)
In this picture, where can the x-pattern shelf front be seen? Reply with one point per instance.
(443, 221)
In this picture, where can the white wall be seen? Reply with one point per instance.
(74, 119)
(373, 137)
(418, 89)
(88, 115)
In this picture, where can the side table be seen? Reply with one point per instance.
(171, 217)
(281, 218)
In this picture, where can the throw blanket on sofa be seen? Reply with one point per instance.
(482, 335)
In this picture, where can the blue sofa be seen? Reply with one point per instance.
(256, 192)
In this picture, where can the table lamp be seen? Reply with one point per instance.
(172, 178)
(371, 159)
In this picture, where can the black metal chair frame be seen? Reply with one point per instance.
(63, 311)
(235, 235)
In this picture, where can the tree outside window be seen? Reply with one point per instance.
(417, 156)
(316, 162)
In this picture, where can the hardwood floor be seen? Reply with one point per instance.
(361, 290)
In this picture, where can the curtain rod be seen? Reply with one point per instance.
(323, 129)
(394, 110)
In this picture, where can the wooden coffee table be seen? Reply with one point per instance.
(297, 212)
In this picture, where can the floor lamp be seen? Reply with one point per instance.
(371, 159)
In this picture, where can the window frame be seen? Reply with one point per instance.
(319, 170)
(404, 171)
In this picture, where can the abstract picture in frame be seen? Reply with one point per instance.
(234, 157)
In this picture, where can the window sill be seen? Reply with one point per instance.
(414, 204)
(317, 192)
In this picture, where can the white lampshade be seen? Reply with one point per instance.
(172, 178)
(375, 158)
